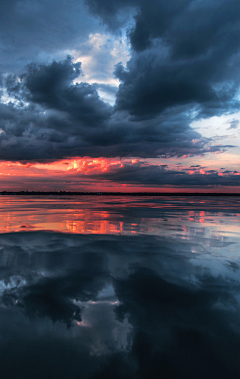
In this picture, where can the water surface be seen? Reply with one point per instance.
(119, 287)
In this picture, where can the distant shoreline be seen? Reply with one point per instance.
(73, 193)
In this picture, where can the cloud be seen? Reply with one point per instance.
(48, 112)
(181, 54)
(51, 87)
(143, 174)
(41, 30)
(233, 124)
(114, 14)
(50, 117)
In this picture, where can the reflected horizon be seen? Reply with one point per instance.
(115, 215)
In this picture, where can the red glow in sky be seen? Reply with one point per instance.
(98, 174)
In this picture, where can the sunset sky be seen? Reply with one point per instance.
(120, 95)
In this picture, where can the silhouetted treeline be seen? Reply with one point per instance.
(74, 193)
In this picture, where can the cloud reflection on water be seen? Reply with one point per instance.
(152, 304)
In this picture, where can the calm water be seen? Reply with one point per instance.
(119, 287)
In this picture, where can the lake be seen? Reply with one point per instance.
(101, 287)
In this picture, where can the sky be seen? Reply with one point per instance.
(120, 95)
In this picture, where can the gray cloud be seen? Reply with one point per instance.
(233, 124)
(40, 30)
(52, 118)
(153, 175)
(178, 72)
(182, 52)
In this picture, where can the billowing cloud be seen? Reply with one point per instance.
(50, 117)
(180, 65)
(182, 52)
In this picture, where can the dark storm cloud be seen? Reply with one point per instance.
(150, 86)
(110, 11)
(153, 175)
(182, 54)
(51, 87)
(51, 118)
(184, 65)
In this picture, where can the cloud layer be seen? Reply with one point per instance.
(183, 66)
(63, 119)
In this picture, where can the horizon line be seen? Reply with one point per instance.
(109, 193)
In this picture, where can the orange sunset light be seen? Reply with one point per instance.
(94, 174)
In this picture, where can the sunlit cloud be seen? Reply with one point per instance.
(111, 174)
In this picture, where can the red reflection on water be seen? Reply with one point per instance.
(93, 223)
(110, 215)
